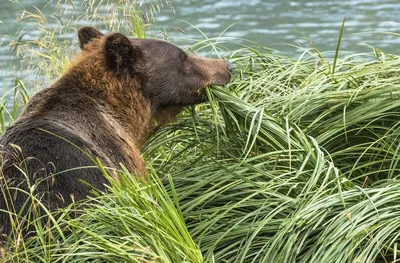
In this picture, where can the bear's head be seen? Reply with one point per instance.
(166, 75)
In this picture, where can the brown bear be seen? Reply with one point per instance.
(102, 107)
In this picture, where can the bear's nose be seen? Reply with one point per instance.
(229, 65)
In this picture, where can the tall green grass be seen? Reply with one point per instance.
(296, 163)
(11, 108)
(133, 222)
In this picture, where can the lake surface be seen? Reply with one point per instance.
(275, 24)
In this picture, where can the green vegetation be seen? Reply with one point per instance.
(296, 164)
(297, 160)
(134, 222)
(9, 113)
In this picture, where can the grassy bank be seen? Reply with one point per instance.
(291, 162)
(297, 160)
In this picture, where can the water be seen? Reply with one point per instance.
(275, 24)
(278, 23)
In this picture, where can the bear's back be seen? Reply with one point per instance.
(46, 158)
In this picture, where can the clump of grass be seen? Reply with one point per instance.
(133, 222)
(137, 222)
(352, 113)
(296, 165)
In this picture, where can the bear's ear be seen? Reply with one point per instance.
(121, 54)
(87, 34)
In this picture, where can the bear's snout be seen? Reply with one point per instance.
(223, 72)
(213, 71)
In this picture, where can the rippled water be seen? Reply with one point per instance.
(276, 24)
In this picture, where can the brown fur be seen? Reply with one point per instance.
(130, 113)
